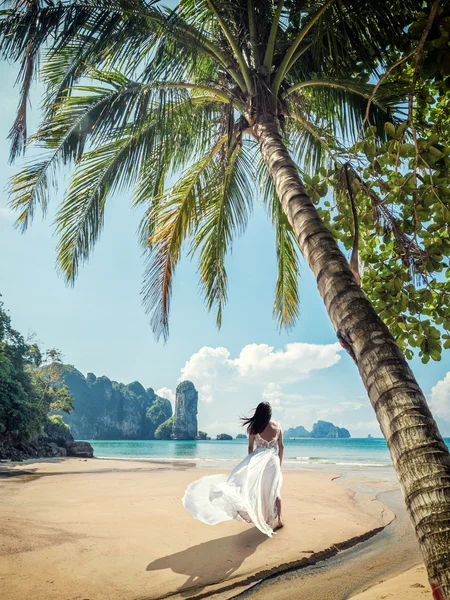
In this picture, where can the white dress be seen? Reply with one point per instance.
(248, 494)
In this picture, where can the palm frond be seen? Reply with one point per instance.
(92, 113)
(82, 36)
(18, 131)
(99, 174)
(311, 146)
(64, 136)
(225, 215)
(169, 220)
(348, 32)
(342, 109)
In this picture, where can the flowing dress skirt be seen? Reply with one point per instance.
(248, 494)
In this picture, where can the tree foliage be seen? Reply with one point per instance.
(397, 193)
(158, 413)
(137, 93)
(27, 395)
(165, 430)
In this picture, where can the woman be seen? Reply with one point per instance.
(251, 492)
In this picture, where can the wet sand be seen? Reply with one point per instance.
(76, 529)
(410, 585)
(382, 557)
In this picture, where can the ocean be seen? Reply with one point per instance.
(351, 453)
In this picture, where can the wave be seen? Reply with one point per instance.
(168, 458)
(290, 460)
(324, 461)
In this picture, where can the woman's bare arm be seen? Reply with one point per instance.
(280, 446)
(251, 441)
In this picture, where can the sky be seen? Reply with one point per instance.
(100, 325)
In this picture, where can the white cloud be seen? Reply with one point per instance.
(230, 385)
(205, 393)
(273, 393)
(208, 366)
(295, 362)
(439, 400)
(214, 370)
(167, 393)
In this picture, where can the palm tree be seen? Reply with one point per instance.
(217, 93)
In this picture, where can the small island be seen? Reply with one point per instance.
(224, 436)
(241, 436)
(320, 430)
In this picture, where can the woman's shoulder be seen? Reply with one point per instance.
(275, 425)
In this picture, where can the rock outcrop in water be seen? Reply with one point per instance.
(108, 410)
(224, 436)
(297, 432)
(55, 441)
(324, 429)
(321, 429)
(185, 419)
(80, 450)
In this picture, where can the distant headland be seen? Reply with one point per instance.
(321, 429)
(109, 410)
(104, 409)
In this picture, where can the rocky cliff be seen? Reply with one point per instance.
(106, 410)
(55, 441)
(185, 420)
(297, 432)
(321, 429)
(324, 429)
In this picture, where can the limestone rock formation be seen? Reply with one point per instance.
(80, 450)
(185, 419)
(224, 436)
(108, 410)
(321, 429)
(324, 429)
(296, 432)
(241, 436)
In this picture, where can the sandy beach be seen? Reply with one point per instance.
(411, 585)
(110, 529)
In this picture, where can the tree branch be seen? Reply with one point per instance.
(237, 51)
(287, 63)
(268, 57)
(253, 33)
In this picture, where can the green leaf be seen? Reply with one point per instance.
(390, 129)
(435, 354)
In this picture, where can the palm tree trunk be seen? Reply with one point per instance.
(420, 457)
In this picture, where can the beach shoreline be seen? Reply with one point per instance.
(110, 529)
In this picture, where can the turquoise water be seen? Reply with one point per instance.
(362, 452)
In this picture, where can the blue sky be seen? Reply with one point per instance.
(100, 325)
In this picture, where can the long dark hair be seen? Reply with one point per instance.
(259, 420)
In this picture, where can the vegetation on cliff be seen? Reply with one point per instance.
(105, 409)
(28, 394)
(165, 430)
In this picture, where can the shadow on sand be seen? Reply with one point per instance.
(210, 562)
